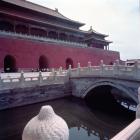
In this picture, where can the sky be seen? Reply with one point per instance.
(120, 19)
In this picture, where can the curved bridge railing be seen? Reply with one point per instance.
(114, 71)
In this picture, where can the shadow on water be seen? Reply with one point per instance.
(84, 122)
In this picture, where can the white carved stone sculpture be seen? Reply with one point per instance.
(46, 126)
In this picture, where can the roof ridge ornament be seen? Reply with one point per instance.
(91, 29)
(56, 9)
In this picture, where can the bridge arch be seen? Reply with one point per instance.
(125, 90)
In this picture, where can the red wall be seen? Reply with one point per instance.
(27, 53)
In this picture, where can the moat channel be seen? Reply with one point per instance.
(84, 122)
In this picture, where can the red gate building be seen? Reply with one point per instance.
(36, 37)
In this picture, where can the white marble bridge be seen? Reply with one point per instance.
(83, 79)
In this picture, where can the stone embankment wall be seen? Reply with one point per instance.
(23, 96)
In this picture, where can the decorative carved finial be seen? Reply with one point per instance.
(56, 9)
(46, 126)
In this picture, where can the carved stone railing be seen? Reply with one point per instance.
(11, 80)
(131, 132)
(45, 39)
(114, 71)
(30, 79)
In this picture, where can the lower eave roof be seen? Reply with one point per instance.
(98, 39)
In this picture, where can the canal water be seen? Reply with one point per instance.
(84, 122)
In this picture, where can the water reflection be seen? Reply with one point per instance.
(84, 123)
(79, 133)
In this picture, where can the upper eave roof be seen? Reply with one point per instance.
(41, 9)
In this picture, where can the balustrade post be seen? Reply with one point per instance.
(40, 78)
(138, 106)
(69, 71)
(22, 79)
(89, 66)
(116, 68)
(54, 74)
(117, 62)
(101, 67)
(78, 68)
(136, 69)
(60, 70)
(53, 71)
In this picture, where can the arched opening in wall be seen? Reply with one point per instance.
(69, 61)
(111, 101)
(6, 26)
(63, 36)
(111, 63)
(43, 63)
(22, 29)
(53, 34)
(38, 32)
(10, 64)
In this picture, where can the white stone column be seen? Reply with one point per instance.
(108, 47)
(46, 126)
